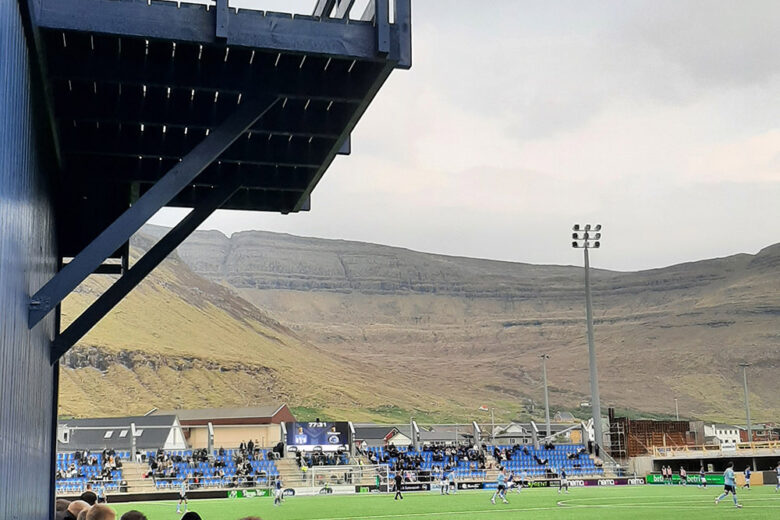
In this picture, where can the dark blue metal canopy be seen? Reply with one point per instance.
(162, 103)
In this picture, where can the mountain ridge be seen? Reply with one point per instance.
(439, 336)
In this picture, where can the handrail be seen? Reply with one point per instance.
(743, 447)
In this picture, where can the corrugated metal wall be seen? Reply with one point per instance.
(27, 260)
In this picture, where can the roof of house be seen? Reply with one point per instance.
(203, 414)
(90, 434)
(722, 426)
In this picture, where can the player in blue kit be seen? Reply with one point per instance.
(501, 487)
(777, 487)
(729, 485)
(564, 483)
(747, 478)
(278, 491)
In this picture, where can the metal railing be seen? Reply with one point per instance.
(743, 448)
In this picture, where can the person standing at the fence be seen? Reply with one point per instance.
(747, 478)
(702, 478)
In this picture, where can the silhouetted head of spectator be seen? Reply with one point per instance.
(101, 512)
(133, 515)
(89, 496)
(191, 515)
(61, 504)
(76, 507)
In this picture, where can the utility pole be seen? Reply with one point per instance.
(676, 409)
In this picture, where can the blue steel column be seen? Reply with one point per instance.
(28, 257)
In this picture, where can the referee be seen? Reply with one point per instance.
(398, 480)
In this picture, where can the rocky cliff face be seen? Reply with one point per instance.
(476, 327)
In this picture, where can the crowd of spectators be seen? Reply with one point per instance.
(433, 459)
(89, 465)
(307, 460)
(243, 467)
(85, 508)
(547, 459)
(74, 471)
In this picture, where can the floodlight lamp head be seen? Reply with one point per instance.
(597, 244)
(576, 227)
(575, 236)
(596, 236)
(575, 245)
(597, 228)
(585, 236)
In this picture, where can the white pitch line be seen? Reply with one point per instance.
(440, 513)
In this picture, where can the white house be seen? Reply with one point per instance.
(724, 433)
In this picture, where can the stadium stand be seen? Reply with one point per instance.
(224, 468)
(545, 461)
(431, 460)
(74, 470)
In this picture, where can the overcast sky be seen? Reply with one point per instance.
(659, 119)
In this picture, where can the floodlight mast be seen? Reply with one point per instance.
(548, 433)
(587, 237)
(744, 366)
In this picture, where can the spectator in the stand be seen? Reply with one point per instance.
(101, 512)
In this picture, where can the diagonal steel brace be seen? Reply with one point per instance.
(114, 294)
(120, 231)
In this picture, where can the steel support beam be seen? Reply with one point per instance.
(343, 7)
(120, 231)
(324, 8)
(223, 13)
(339, 145)
(193, 23)
(114, 294)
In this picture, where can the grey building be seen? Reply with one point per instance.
(150, 433)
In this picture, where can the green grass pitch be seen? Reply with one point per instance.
(635, 503)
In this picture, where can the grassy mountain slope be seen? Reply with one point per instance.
(475, 328)
(179, 340)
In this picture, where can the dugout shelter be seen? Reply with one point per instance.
(113, 109)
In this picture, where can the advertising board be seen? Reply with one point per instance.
(326, 436)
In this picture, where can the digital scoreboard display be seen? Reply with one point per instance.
(328, 436)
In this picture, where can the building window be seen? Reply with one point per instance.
(138, 433)
(108, 434)
(123, 434)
